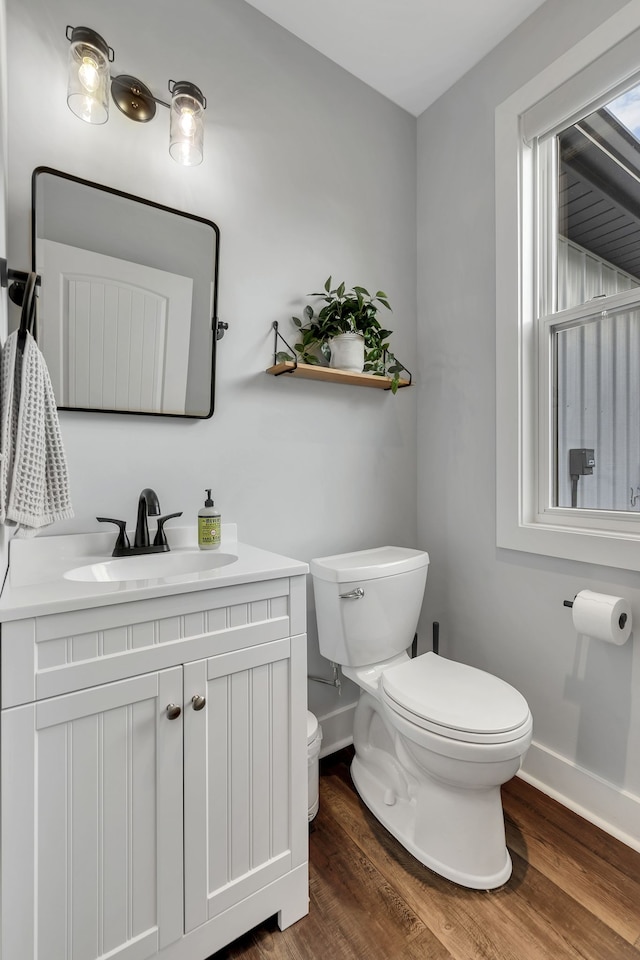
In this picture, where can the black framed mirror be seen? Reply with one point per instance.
(127, 317)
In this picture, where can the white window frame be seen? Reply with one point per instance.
(588, 75)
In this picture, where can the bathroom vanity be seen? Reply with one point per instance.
(153, 749)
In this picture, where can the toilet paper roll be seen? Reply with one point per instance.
(602, 617)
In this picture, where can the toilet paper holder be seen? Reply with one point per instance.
(622, 619)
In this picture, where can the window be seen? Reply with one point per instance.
(568, 304)
(592, 244)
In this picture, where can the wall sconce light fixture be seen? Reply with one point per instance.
(88, 96)
(186, 128)
(88, 89)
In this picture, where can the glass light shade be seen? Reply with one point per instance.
(186, 128)
(88, 89)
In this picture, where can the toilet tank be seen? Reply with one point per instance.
(368, 603)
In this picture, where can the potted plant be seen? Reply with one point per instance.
(346, 332)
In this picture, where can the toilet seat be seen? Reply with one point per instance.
(455, 701)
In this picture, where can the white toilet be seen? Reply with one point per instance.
(433, 738)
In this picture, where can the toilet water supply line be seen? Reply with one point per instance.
(335, 680)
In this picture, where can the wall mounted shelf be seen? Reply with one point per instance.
(312, 371)
(308, 371)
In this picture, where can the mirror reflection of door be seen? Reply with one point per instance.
(122, 346)
(128, 299)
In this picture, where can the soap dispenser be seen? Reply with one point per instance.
(208, 525)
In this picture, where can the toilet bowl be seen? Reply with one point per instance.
(434, 739)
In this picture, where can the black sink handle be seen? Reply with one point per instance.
(122, 543)
(160, 539)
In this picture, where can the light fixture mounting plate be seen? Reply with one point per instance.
(133, 98)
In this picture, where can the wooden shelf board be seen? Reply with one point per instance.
(309, 371)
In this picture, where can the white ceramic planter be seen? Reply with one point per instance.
(347, 352)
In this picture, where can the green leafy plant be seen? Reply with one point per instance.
(346, 311)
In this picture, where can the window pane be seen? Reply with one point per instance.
(599, 203)
(597, 367)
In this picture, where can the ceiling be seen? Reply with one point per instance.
(409, 50)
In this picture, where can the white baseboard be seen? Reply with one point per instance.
(614, 810)
(337, 729)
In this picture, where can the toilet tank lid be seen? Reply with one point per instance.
(368, 564)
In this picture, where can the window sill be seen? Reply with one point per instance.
(602, 547)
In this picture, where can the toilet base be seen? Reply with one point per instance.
(457, 833)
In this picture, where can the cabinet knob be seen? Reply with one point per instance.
(173, 711)
(198, 702)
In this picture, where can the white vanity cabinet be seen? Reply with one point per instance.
(91, 817)
(153, 763)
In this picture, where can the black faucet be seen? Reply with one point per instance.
(148, 506)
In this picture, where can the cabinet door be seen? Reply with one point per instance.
(92, 822)
(245, 774)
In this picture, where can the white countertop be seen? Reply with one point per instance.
(35, 584)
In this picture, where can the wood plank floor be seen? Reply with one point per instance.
(574, 891)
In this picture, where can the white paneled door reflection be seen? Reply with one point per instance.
(113, 332)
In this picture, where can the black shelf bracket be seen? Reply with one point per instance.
(400, 364)
(278, 336)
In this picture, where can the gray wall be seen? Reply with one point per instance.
(4, 299)
(498, 609)
(307, 172)
(3, 153)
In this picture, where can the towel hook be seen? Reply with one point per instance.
(27, 314)
(19, 278)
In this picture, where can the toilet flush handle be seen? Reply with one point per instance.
(356, 594)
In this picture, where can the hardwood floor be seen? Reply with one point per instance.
(574, 891)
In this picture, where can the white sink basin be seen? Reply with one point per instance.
(182, 566)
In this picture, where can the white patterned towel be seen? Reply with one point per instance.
(34, 487)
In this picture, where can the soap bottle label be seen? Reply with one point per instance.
(208, 531)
